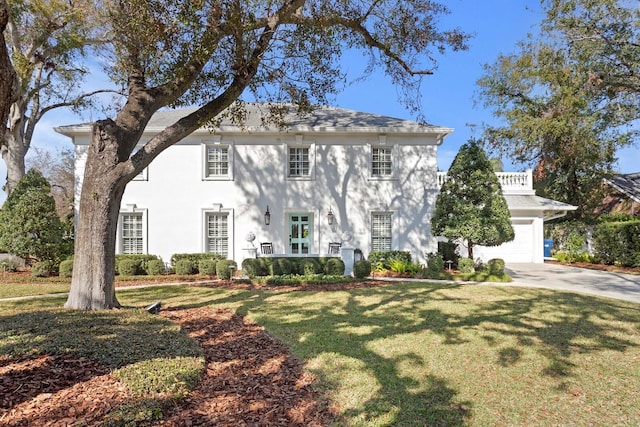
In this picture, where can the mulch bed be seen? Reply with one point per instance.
(250, 379)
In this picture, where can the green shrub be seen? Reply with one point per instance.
(361, 269)
(496, 266)
(252, 267)
(155, 267)
(66, 268)
(207, 267)
(387, 257)
(466, 265)
(280, 267)
(142, 261)
(43, 268)
(435, 263)
(310, 266)
(195, 258)
(618, 243)
(399, 266)
(128, 267)
(224, 268)
(334, 267)
(185, 267)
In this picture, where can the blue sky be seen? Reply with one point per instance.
(447, 95)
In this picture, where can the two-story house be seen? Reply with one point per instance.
(334, 176)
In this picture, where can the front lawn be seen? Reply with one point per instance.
(415, 354)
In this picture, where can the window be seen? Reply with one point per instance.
(299, 161)
(132, 233)
(217, 161)
(381, 162)
(381, 232)
(218, 234)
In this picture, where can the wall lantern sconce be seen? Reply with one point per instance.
(330, 216)
(267, 217)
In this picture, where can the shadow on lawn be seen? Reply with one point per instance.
(556, 324)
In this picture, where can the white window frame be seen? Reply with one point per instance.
(132, 210)
(216, 142)
(374, 246)
(311, 147)
(220, 211)
(393, 151)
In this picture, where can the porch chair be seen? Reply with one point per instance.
(266, 248)
(334, 248)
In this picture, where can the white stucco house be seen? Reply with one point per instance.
(336, 176)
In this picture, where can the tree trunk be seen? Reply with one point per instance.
(470, 249)
(92, 285)
(13, 154)
(8, 78)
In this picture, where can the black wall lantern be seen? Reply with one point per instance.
(330, 216)
(267, 217)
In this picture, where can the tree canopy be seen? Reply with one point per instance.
(559, 115)
(471, 205)
(211, 53)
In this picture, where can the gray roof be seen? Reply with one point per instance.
(321, 119)
(628, 184)
(531, 202)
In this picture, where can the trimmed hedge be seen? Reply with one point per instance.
(496, 266)
(155, 267)
(223, 270)
(466, 265)
(128, 267)
(141, 262)
(207, 267)
(185, 267)
(361, 269)
(195, 258)
(303, 266)
(618, 243)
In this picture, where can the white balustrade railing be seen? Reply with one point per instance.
(510, 181)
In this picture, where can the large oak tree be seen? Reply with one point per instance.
(208, 53)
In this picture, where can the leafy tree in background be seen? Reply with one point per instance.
(45, 42)
(29, 225)
(209, 53)
(561, 116)
(58, 168)
(471, 205)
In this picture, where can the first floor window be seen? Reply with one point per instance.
(132, 234)
(381, 232)
(218, 233)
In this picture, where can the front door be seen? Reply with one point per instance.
(300, 233)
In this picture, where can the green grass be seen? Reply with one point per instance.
(409, 354)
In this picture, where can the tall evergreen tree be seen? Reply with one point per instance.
(471, 205)
(29, 225)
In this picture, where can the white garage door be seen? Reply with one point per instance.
(520, 249)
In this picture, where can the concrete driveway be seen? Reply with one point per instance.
(559, 277)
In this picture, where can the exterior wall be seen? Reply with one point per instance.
(528, 244)
(174, 197)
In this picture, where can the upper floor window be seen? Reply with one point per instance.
(218, 160)
(381, 231)
(381, 162)
(300, 160)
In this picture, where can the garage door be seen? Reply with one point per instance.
(520, 249)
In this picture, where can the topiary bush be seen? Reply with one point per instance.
(280, 267)
(195, 258)
(361, 269)
(42, 268)
(155, 267)
(252, 267)
(185, 267)
(66, 268)
(224, 268)
(334, 267)
(310, 266)
(207, 267)
(128, 267)
(465, 265)
(496, 266)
